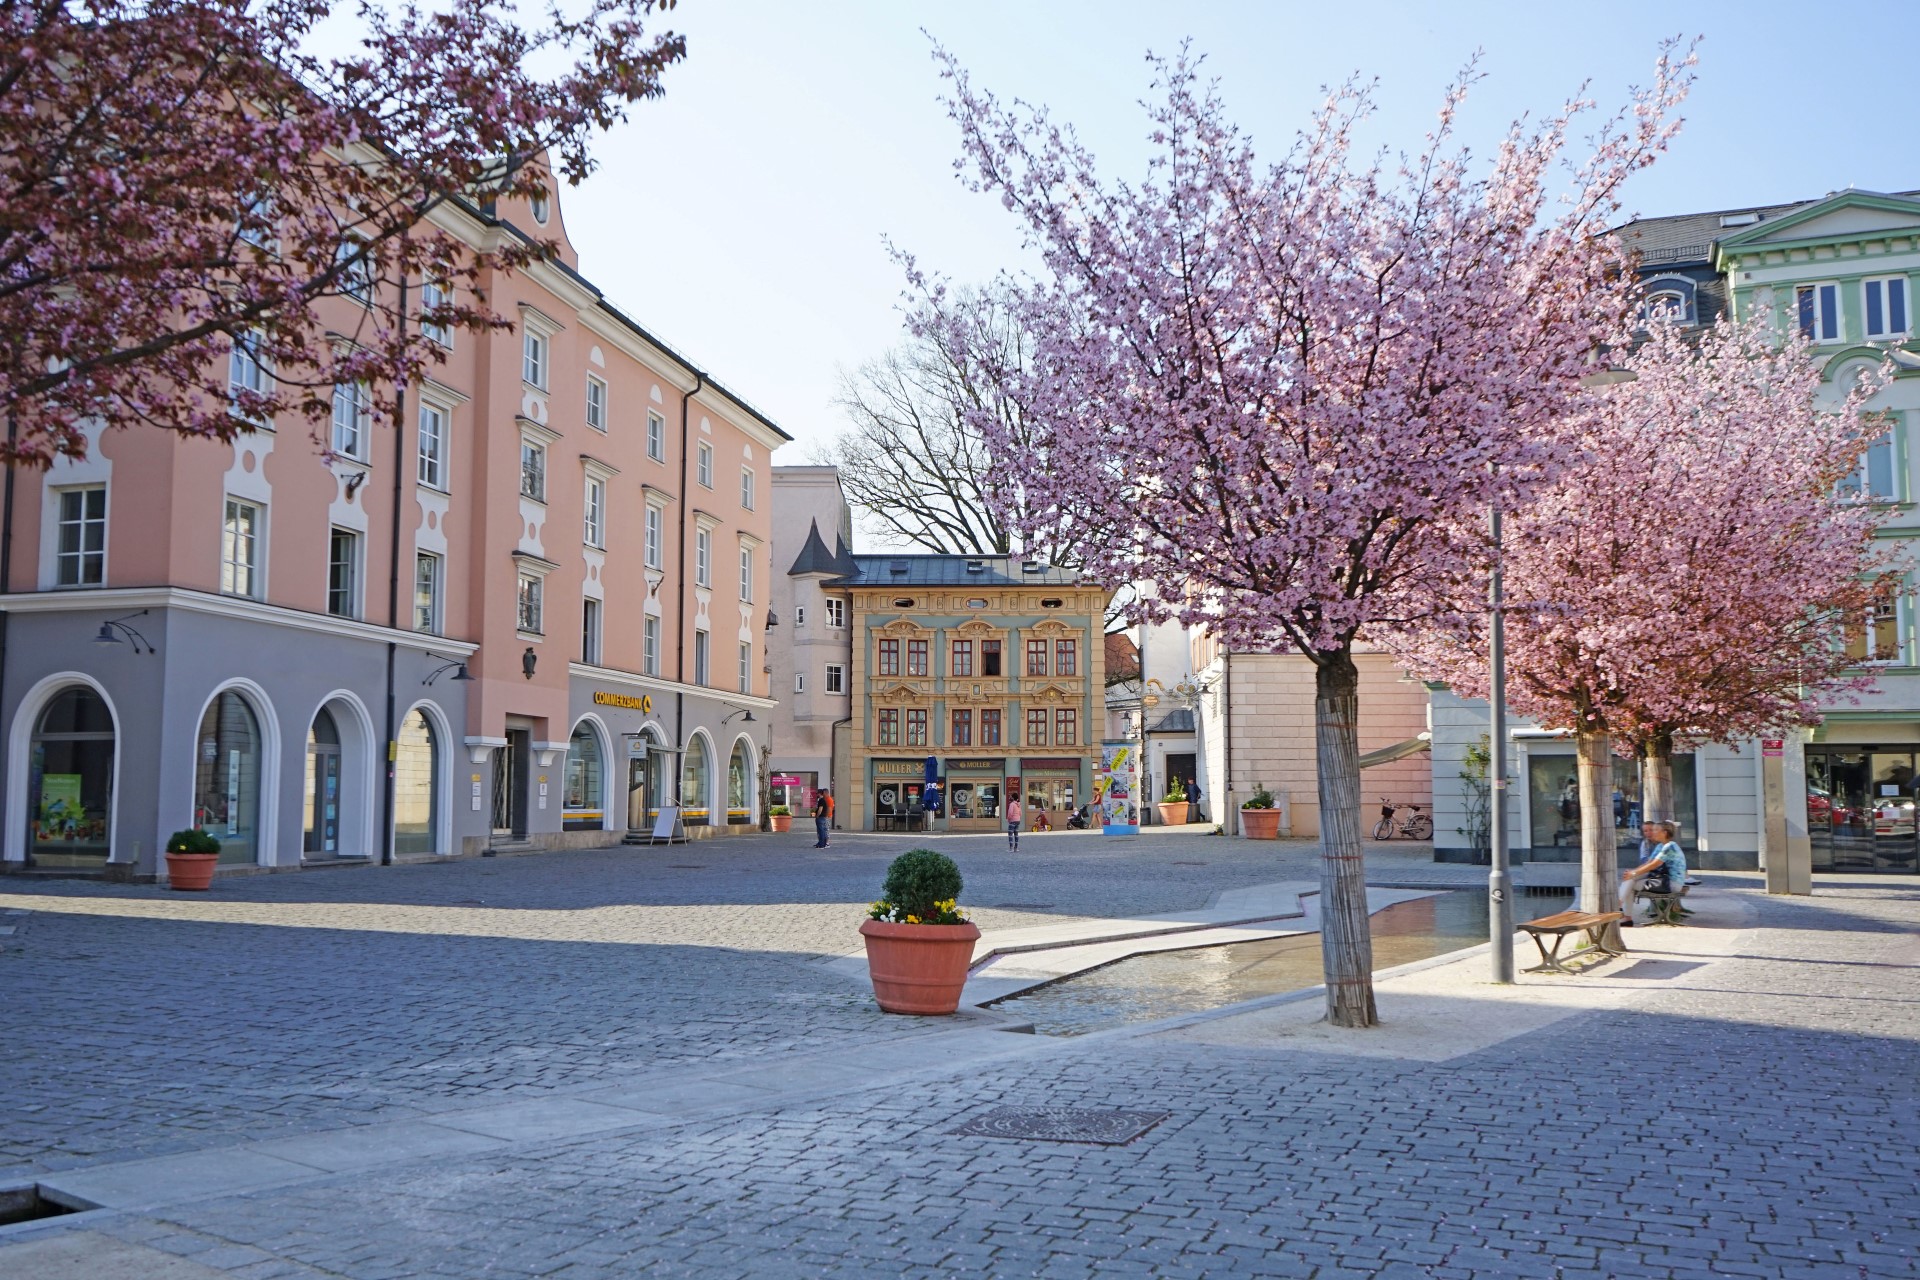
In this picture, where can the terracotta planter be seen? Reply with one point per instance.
(191, 870)
(918, 968)
(1174, 812)
(782, 822)
(1260, 824)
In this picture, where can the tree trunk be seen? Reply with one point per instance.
(1599, 850)
(1656, 779)
(1346, 941)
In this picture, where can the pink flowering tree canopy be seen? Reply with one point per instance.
(179, 178)
(1276, 392)
(1696, 572)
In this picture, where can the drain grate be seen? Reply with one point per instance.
(32, 1202)
(1106, 1128)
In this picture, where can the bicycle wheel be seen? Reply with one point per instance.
(1383, 829)
(1420, 827)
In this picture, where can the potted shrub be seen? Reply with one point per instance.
(781, 817)
(191, 857)
(919, 945)
(1173, 810)
(1259, 817)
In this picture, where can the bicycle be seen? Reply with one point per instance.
(1418, 824)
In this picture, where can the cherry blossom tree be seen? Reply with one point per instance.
(1274, 393)
(1692, 573)
(185, 184)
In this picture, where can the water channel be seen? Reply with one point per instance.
(1168, 983)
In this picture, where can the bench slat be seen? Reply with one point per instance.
(1566, 921)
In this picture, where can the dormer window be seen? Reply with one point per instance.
(1670, 298)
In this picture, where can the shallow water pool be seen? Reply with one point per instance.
(1168, 983)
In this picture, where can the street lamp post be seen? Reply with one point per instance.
(1499, 880)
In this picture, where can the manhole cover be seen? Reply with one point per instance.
(1023, 906)
(1063, 1124)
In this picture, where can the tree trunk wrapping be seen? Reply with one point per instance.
(1346, 940)
(1599, 850)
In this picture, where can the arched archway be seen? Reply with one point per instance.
(587, 782)
(338, 802)
(70, 760)
(236, 772)
(743, 782)
(696, 781)
(422, 805)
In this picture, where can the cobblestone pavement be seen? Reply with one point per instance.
(282, 1003)
(1793, 1149)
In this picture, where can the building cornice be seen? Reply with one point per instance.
(121, 599)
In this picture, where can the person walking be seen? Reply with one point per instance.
(1193, 798)
(1013, 823)
(822, 814)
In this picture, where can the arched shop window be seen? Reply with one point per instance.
(416, 768)
(695, 782)
(70, 782)
(321, 811)
(226, 778)
(585, 786)
(740, 785)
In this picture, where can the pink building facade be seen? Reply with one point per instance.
(531, 614)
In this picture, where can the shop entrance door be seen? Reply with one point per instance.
(1861, 809)
(510, 786)
(637, 820)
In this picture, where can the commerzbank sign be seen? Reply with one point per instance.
(605, 698)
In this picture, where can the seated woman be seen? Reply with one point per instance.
(1664, 871)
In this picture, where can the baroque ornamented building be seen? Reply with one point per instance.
(984, 672)
(528, 617)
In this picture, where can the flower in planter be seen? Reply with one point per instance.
(922, 887)
(1260, 799)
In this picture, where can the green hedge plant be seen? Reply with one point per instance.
(192, 840)
(922, 887)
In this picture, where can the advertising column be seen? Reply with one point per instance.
(1116, 788)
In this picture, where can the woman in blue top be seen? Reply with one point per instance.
(1664, 871)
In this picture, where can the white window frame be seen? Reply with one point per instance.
(1886, 287)
(650, 645)
(343, 601)
(430, 467)
(536, 354)
(594, 516)
(254, 542)
(703, 466)
(533, 469)
(591, 621)
(703, 558)
(437, 576)
(352, 419)
(356, 278)
(836, 677)
(746, 574)
(799, 615)
(1902, 613)
(435, 294)
(81, 557)
(1888, 447)
(746, 666)
(746, 487)
(247, 370)
(799, 682)
(596, 402)
(702, 656)
(836, 612)
(654, 548)
(1820, 334)
(656, 436)
(530, 605)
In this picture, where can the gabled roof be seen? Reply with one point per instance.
(1691, 237)
(924, 570)
(815, 558)
(1845, 213)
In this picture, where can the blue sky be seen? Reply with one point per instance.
(742, 216)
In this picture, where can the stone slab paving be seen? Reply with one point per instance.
(1784, 1029)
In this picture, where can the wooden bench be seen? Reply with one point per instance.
(1559, 925)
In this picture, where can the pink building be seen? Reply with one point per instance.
(531, 617)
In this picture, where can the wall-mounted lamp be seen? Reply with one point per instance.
(773, 619)
(528, 661)
(456, 665)
(108, 629)
(742, 712)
